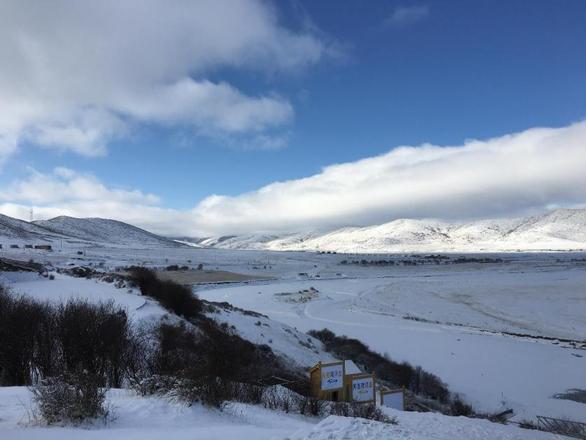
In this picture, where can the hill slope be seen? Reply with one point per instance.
(19, 230)
(103, 231)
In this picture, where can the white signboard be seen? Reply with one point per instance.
(332, 377)
(363, 389)
(393, 400)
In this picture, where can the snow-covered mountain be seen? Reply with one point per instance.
(78, 230)
(103, 231)
(561, 225)
(20, 230)
(562, 229)
(250, 241)
(261, 241)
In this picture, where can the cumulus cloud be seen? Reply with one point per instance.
(510, 175)
(67, 192)
(77, 74)
(405, 15)
(65, 185)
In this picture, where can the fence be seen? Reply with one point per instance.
(564, 427)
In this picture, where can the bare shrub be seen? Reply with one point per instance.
(94, 338)
(369, 411)
(460, 408)
(39, 340)
(528, 424)
(80, 272)
(429, 385)
(172, 296)
(356, 409)
(310, 406)
(209, 363)
(154, 384)
(340, 409)
(191, 390)
(214, 391)
(280, 398)
(208, 349)
(177, 352)
(70, 400)
(249, 393)
(26, 339)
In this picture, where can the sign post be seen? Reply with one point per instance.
(332, 376)
(363, 388)
(393, 399)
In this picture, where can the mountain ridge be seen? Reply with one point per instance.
(71, 230)
(560, 229)
(101, 230)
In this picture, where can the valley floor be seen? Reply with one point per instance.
(456, 324)
(503, 335)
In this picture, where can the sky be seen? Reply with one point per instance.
(219, 117)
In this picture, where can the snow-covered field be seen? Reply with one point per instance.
(465, 347)
(149, 418)
(64, 288)
(154, 418)
(456, 321)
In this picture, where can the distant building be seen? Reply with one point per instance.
(28, 246)
(14, 246)
(342, 381)
(393, 398)
(44, 247)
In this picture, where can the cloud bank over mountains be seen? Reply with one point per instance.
(76, 75)
(510, 175)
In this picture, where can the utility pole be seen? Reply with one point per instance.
(31, 214)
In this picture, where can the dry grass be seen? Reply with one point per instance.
(191, 276)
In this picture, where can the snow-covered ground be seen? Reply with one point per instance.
(451, 319)
(465, 347)
(286, 341)
(64, 288)
(154, 418)
(283, 339)
(150, 418)
(415, 426)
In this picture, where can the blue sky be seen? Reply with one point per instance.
(388, 73)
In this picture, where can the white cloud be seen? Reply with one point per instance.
(76, 74)
(65, 185)
(67, 192)
(501, 176)
(404, 15)
(510, 175)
